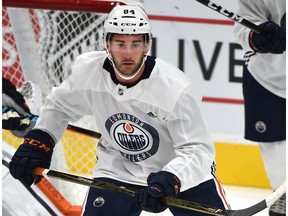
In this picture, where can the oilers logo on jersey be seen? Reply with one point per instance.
(136, 140)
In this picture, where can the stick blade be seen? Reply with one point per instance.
(250, 210)
(271, 199)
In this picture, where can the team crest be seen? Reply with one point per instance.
(260, 126)
(137, 140)
(99, 201)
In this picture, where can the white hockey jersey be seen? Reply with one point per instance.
(154, 125)
(268, 69)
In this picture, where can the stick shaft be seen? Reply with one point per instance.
(73, 128)
(231, 15)
(130, 192)
(172, 201)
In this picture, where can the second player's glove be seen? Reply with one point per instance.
(274, 41)
(160, 184)
(13, 120)
(10, 119)
(36, 151)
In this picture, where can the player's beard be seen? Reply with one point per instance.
(128, 70)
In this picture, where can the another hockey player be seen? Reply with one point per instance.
(153, 135)
(264, 86)
(16, 115)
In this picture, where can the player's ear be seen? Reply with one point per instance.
(107, 46)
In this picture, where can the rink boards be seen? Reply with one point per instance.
(238, 163)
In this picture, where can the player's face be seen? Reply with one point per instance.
(127, 52)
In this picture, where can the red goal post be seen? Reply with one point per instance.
(40, 41)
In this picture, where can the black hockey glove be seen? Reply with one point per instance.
(12, 120)
(159, 184)
(36, 151)
(12, 98)
(272, 42)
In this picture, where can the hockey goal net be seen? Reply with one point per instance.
(40, 41)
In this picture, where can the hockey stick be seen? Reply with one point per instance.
(72, 128)
(231, 15)
(169, 200)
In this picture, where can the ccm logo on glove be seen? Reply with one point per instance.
(36, 151)
(38, 144)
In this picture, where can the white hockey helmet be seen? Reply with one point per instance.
(127, 19)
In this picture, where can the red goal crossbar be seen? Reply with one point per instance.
(99, 6)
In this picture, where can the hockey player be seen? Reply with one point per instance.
(153, 135)
(264, 86)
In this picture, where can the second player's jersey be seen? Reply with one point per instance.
(151, 126)
(268, 69)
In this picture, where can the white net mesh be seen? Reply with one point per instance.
(59, 37)
(65, 36)
(40, 46)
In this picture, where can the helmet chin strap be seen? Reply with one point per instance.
(123, 76)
